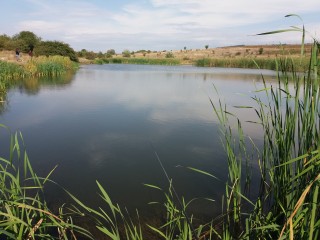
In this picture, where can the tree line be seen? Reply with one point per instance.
(25, 39)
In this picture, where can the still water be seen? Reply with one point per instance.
(108, 122)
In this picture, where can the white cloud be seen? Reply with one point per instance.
(164, 24)
(38, 25)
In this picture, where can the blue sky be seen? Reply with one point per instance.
(100, 25)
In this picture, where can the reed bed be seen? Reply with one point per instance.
(287, 205)
(49, 66)
(37, 66)
(10, 70)
(145, 61)
(263, 63)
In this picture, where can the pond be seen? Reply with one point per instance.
(109, 123)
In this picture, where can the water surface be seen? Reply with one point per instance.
(107, 122)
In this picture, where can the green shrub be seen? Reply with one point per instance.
(110, 53)
(126, 53)
(52, 48)
(4, 39)
(25, 39)
(99, 61)
(260, 50)
(169, 55)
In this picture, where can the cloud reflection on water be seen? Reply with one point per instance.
(102, 126)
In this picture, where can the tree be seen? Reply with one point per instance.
(4, 40)
(206, 46)
(51, 48)
(111, 52)
(100, 54)
(169, 55)
(82, 53)
(126, 53)
(91, 55)
(260, 50)
(26, 39)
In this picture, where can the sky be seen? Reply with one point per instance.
(99, 25)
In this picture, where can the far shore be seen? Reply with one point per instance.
(230, 56)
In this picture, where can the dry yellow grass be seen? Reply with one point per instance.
(268, 51)
(10, 56)
(190, 55)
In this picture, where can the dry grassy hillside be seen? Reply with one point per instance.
(257, 51)
(190, 55)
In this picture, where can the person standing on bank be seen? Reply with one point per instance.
(31, 50)
(18, 54)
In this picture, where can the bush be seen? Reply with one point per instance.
(169, 55)
(25, 39)
(260, 50)
(126, 53)
(4, 39)
(82, 53)
(91, 55)
(52, 48)
(111, 52)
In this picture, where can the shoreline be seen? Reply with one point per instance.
(243, 56)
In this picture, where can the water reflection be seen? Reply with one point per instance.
(106, 122)
(34, 85)
(31, 86)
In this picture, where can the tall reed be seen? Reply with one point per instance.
(49, 66)
(289, 162)
(37, 66)
(24, 213)
(10, 70)
(263, 63)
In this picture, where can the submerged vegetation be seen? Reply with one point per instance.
(286, 205)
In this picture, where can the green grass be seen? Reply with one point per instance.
(252, 63)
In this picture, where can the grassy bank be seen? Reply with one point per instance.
(301, 64)
(145, 61)
(37, 66)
